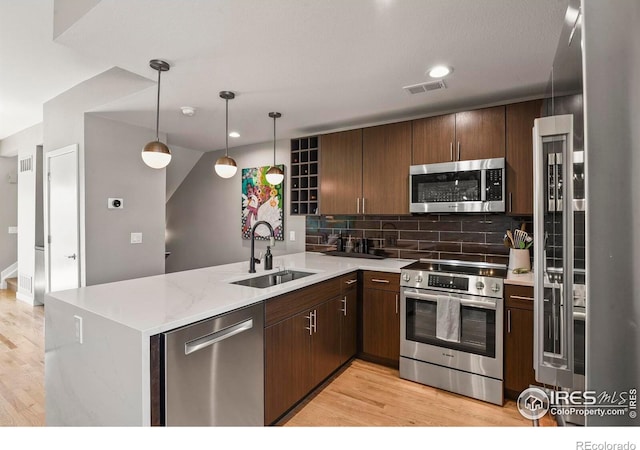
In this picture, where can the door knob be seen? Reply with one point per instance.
(72, 256)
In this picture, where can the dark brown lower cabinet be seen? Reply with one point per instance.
(381, 318)
(302, 350)
(348, 313)
(518, 340)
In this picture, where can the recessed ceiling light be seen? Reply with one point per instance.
(439, 71)
(234, 134)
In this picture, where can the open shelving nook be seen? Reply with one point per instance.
(304, 176)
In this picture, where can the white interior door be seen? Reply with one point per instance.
(62, 219)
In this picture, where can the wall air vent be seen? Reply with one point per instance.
(26, 164)
(425, 87)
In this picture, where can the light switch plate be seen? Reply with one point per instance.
(13, 230)
(292, 235)
(136, 238)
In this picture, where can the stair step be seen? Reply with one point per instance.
(12, 284)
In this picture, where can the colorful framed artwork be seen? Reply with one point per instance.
(262, 201)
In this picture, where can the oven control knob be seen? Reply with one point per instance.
(418, 278)
(479, 285)
(406, 277)
(495, 287)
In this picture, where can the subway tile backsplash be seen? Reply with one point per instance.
(471, 237)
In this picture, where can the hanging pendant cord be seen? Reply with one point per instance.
(274, 141)
(226, 145)
(158, 108)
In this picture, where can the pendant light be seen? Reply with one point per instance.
(225, 166)
(275, 175)
(156, 154)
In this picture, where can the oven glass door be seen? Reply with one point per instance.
(477, 325)
(447, 187)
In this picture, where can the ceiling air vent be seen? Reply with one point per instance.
(425, 87)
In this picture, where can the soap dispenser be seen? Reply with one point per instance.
(268, 259)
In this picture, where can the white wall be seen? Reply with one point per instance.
(204, 214)
(8, 211)
(27, 138)
(114, 168)
(64, 121)
(26, 225)
(182, 161)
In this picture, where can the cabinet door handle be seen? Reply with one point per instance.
(397, 301)
(362, 205)
(315, 320)
(378, 280)
(350, 282)
(344, 303)
(451, 150)
(521, 298)
(358, 205)
(509, 321)
(458, 150)
(510, 201)
(310, 327)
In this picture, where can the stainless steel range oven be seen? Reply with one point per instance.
(451, 326)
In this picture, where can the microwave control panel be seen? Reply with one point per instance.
(494, 184)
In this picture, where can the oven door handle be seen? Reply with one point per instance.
(484, 304)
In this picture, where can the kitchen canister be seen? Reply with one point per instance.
(519, 259)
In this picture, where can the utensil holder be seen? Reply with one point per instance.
(519, 259)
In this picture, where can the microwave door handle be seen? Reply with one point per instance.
(483, 185)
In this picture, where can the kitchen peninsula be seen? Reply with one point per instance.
(97, 357)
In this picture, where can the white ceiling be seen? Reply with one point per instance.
(324, 64)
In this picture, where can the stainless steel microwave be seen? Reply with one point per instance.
(461, 186)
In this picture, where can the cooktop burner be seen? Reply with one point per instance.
(459, 267)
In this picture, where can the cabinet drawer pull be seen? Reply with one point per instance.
(378, 280)
(509, 321)
(521, 298)
(350, 282)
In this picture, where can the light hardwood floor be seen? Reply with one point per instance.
(363, 394)
(21, 362)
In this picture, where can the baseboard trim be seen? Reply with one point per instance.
(25, 298)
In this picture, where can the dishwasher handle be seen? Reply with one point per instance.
(212, 338)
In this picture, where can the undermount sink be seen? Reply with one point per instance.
(272, 279)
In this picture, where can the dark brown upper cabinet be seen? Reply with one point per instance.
(519, 156)
(462, 136)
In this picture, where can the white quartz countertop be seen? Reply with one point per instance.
(523, 279)
(160, 303)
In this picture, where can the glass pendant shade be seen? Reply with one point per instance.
(225, 167)
(275, 175)
(155, 154)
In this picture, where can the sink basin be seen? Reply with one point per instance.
(273, 279)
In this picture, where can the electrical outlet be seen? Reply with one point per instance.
(292, 235)
(136, 238)
(77, 323)
(13, 230)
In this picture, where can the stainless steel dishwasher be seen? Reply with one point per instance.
(214, 371)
